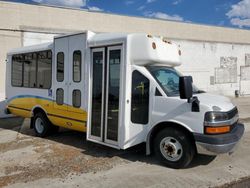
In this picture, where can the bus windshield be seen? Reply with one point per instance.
(168, 79)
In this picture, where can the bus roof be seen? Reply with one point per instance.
(33, 48)
(104, 38)
(143, 49)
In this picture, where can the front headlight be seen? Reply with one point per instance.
(220, 122)
(216, 116)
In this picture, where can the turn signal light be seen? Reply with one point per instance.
(217, 130)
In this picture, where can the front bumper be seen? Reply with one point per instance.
(218, 144)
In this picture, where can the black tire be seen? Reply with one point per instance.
(171, 140)
(46, 128)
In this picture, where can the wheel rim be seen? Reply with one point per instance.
(39, 125)
(171, 149)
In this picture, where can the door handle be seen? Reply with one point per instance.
(110, 118)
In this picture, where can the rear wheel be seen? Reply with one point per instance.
(42, 126)
(174, 148)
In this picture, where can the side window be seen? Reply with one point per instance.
(77, 65)
(168, 79)
(60, 67)
(140, 98)
(76, 98)
(59, 96)
(17, 70)
(29, 70)
(44, 70)
(32, 70)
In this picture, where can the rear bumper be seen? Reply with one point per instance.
(218, 144)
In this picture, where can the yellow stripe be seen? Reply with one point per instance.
(72, 118)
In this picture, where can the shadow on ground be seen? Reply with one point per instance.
(78, 140)
(11, 123)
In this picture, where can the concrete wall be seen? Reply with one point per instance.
(216, 67)
(206, 50)
(8, 40)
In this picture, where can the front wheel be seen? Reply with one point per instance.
(174, 148)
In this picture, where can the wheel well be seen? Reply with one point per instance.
(164, 125)
(35, 111)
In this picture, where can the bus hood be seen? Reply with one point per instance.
(215, 102)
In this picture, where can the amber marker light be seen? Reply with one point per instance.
(217, 130)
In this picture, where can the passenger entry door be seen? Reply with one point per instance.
(105, 94)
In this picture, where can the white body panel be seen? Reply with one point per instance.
(15, 92)
(151, 50)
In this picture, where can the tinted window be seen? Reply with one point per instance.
(114, 68)
(76, 98)
(140, 98)
(29, 70)
(17, 70)
(32, 70)
(59, 96)
(44, 65)
(60, 67)
(113, 94)
(77, 64)
(97, 94)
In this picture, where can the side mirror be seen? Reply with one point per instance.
(185, 87)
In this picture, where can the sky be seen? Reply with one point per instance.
(225, 13)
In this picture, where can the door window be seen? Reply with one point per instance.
(77, 64)
(60, 67)
(76, 98)
(105, 94)
(97, 94)
(59, 96)
(140, 98)
(113, 94)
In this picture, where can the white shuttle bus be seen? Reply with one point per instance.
(122, 90)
